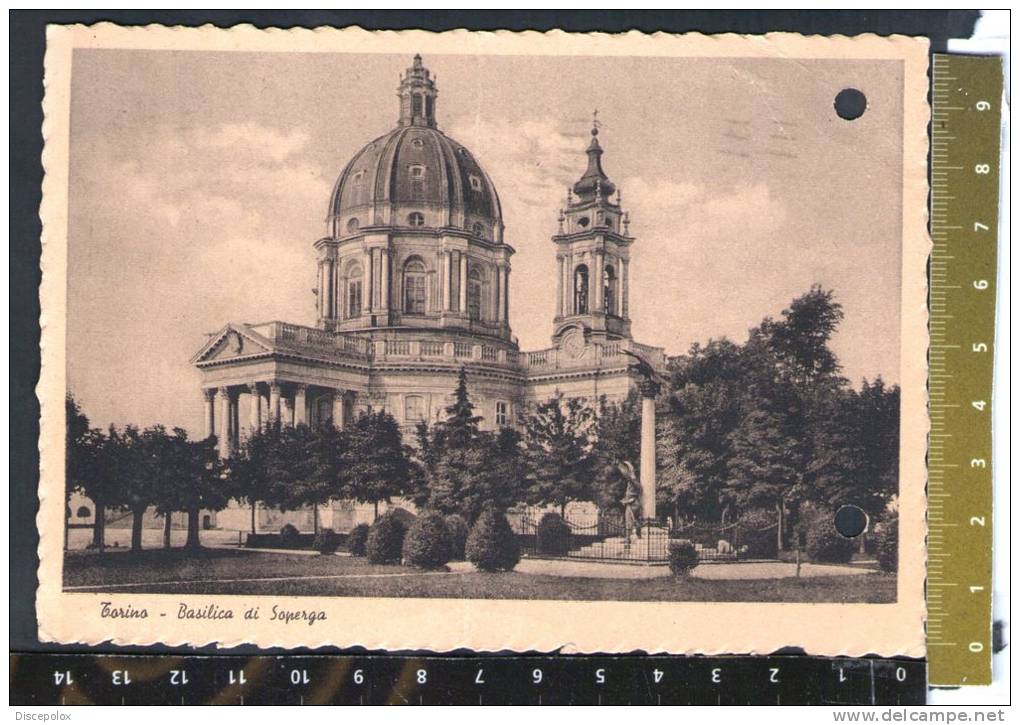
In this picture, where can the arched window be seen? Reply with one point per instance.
(352, 224)
(416, 105)
(474, 293)
(354, 281)
(414, 409)
(417, 173)
(416, 219)
(414, 287)
(581, 290)
(609, 290)
(83, 512)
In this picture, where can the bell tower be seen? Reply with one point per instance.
(592, 256)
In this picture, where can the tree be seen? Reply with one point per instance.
(202, 483)
(132, 470)
(250, 472)
(326, 478)
(83, 466)
(558, 452)
(377, 462)
(772, 423)
(296, 476)
(856, 445)
(465, 469)
(701, 409)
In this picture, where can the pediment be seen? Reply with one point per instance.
(233, 341)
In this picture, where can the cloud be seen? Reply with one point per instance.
(173, 234)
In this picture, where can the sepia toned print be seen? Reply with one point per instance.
(497, 341)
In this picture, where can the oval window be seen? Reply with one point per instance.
(477, 229)
(416, 219)
(352, 224)
(583, 222)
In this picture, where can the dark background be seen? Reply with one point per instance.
(27, 47)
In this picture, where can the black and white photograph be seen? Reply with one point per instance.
(413, 321)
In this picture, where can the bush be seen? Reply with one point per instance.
(357, 539)
(682, 557)
(458, 529)
(756, 529)
(326, 541)
(385, 540)
(552, 535)
(887, 543)
(826, 545)
(290, 537)
(427, 544)
(492, 545)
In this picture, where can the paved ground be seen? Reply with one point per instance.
(774, 570)
(601, 570)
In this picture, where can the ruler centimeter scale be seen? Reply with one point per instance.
(67, 679)
(966, 107)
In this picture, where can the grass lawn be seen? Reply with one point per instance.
(219, 571)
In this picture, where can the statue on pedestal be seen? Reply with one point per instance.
(631, 500)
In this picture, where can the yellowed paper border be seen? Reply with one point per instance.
(481, 624)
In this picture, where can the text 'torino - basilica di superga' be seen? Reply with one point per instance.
(413, 283)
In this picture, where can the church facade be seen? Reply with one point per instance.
(414, 283)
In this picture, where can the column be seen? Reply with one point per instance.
(447, 280)
(568, 285)
(599, 265)
(624, 284)
(463, 282)
(501, 298)
(338, 409)
(223, 434)
(592, 288)
(255, 409)
(301, 405)
(338, 294)
(366, 286)
(209, 396)
(506, 292)
(384, 281)
(328, 289)
(320, 293)
(274, 402)
(286, 410)
(235, 422)
(559, 286)
(649, 389)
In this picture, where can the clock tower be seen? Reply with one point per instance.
(592, 257)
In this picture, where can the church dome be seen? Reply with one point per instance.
(415, 175)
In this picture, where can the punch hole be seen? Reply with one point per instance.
(850, 104)
(851, 521)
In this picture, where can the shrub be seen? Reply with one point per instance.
(887, 543)
(458, 529)
(756, 529)
(290, 537)
(326, 541)
(825, 544)
(357, 539)
(552, 535)
(492, 545)
(682, 557)
(427, 544)
(385, 540)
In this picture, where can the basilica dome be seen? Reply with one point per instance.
(415, 176)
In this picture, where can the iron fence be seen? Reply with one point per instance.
(605, 536)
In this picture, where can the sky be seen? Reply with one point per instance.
(200, 180)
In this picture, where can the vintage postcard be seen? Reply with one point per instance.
(499, 341)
